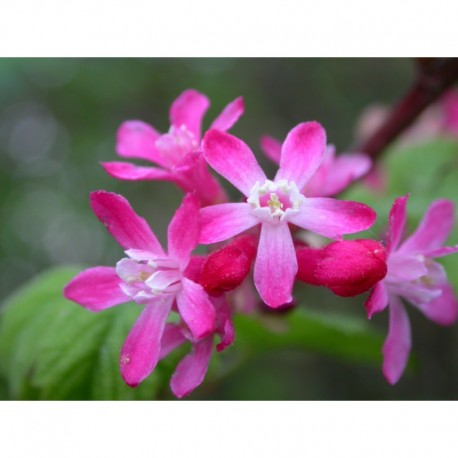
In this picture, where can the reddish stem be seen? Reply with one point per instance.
(434, 77)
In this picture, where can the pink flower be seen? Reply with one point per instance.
(347, 268)
(148, 276)
(225, 269)
(274, 204)
(191, 370)
(176, 152)
(332, 176)
(449, 105)
(414, 276)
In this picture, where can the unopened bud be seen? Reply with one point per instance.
(347, 268)
(226, 268)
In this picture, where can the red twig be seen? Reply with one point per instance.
(434, 76)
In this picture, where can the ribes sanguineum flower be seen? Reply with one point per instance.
(190, 371)
(274, 204)
(333, 175)
(148, 276)
(347, 268)
(414, 276)
(226, 268)
(176, 152)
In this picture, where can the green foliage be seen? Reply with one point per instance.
(51, 348)
(339, 335)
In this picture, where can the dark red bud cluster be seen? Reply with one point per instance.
(347, 268)
(226, 268)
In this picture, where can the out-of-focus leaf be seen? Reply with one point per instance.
(342, 336)
(51, 348)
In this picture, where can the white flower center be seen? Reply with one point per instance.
(146, 277)
(275, 200)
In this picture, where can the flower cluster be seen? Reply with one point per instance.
(259, 236)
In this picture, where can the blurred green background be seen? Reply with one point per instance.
(58, 119)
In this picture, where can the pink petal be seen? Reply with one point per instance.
(183, 231)
(418, 293)
(221, 222)
(229, 116)
(377, 300)
(227, 335)
(191, 370)
(121, 221)
(141, 350)
(136, 139)
(444, 309)
(276, 265)
(225, 324)
(193, 170)
(397, 220)
(164, 280)
(232, 159)
(345, 169)
(406, 268)
(245, 297)
(96, 289)
(171, 338)
(433, 230)
(188, 110)
(131, 172)
(271, 148)
(440, 252)
(316, 185)
(449, 107)
(397, 345)
(332, 218)
(302, 153)
(196, 309)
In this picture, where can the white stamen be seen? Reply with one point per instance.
(278, 191)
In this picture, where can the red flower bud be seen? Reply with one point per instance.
(226, 268)
(347, 268)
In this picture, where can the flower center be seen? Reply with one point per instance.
(415, 277)
(275, 200)
(145, 277)
(176, 144)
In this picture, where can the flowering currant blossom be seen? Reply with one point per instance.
(176, 152)
(415, 277)
(347, 268)
(191, 370)
(333, 175)
(148, 276)
(220, 271)
(274, 204)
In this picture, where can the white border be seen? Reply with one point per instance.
(188, 28)
(228, 429)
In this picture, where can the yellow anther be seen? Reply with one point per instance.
(143, 276)
(274, 203)
(428, 281)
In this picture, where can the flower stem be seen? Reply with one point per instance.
(434, 77)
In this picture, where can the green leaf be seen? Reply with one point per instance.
(338, 335)
(51, 348)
